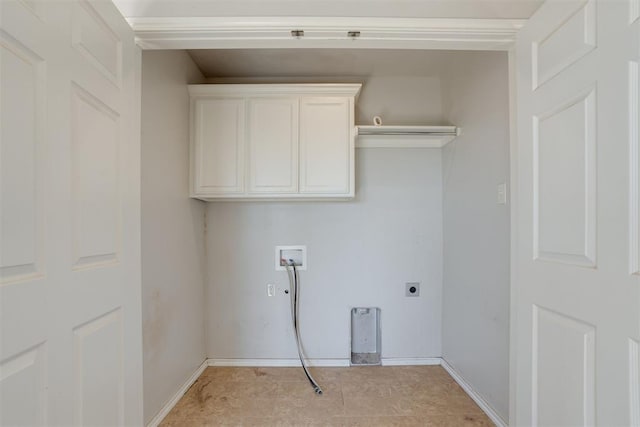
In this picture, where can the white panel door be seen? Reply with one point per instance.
(70, 322)
(577, 289)
(273, 145)
(326, 146)
(218, 143)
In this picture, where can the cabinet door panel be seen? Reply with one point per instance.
(273, 145)
(326, 146)
(219, 146)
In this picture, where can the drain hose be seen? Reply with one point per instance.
(295, 308)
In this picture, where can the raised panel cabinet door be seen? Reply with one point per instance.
(218, 132)
(273, 145)
(70, 309)
(576, 319)
(326, 146)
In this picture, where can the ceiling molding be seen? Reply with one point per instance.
(326, 89)
(324, 32)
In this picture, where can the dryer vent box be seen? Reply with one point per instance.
(365, 336)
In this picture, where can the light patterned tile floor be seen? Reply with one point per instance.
(353, 397)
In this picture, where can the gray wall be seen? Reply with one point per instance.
(400, 100)
(360, 253)
(419, 215)
(475, 337)
(172, 232)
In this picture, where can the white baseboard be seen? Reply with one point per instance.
(277, 362)
(339, 363)
(176, 397)
(486, 407)
(411, 361)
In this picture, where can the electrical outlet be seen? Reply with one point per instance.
(412, 289)
(502, 194)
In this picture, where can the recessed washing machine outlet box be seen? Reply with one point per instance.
(297, 253)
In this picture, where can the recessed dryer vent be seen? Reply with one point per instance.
(365, 336)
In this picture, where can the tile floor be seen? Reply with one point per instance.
(355, 396)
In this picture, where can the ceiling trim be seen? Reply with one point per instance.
(328, 89)
(324, 32)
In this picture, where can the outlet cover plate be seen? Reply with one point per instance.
(412, 286)
(502, 193)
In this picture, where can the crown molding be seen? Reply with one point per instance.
(325, 89)
(324, 32)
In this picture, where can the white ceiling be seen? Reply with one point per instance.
(306, 63)
(309, 63)
(512, 9)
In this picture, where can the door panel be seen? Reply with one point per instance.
(23, 273)
(564, 191)
(577, 301)
(70, 344)
(22, 98)
(94, 176)
(563, 365)
(634, 199)
(634, 382)
(97, 41)
(634, 178)
(22, 388)
(568, 42)
(98, 374)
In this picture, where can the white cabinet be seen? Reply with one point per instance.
(285, 142)
(218, 146)
(326, 146)
(273, 145)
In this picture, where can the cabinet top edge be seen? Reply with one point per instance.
(348, 89)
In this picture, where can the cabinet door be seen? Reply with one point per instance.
(326, 146)
(273, 145)
(218, 153)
